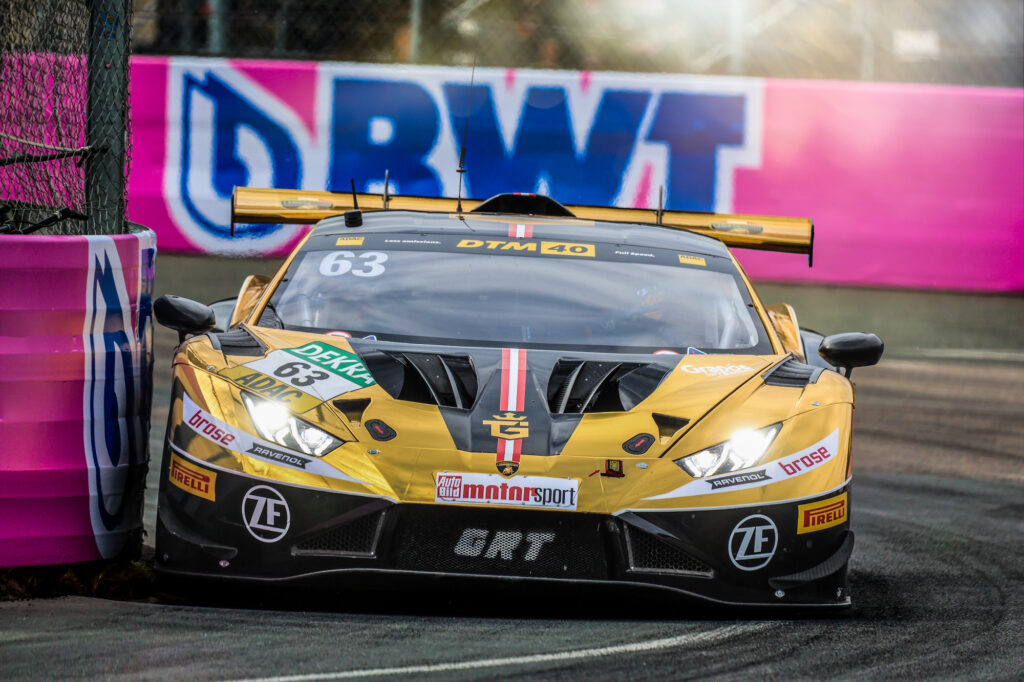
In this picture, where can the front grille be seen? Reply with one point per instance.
(355, 538)
(648, 554)
(501, 542)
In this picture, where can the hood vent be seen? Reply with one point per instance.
(238, 342)
(792, 373)
(445, 380)
(578, 386)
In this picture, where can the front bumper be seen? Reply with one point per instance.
(262, 531)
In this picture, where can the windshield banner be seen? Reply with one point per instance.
(908, 185)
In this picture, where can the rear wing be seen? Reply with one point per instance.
(279, 206)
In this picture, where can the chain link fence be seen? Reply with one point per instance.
(929, 41)
(63, 116)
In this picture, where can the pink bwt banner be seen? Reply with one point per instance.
(75, 390)
(908, 185)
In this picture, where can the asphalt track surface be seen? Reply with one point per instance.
(937, 579)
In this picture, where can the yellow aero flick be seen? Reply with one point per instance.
(554, 392)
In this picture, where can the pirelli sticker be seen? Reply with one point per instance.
(271, 388)
(193, 479)
(821, 515)
(349, 241)
(515, 246)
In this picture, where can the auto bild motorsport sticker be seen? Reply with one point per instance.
(820, 515)
(317, 368)
(266, 514)
(193, 479)
(521, 491)
(752, 542)
(782, 469)
(237, 440)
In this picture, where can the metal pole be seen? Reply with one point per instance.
(215, 28)
(106, 115)
(416, 24)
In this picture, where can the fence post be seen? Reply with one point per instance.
(106, 127)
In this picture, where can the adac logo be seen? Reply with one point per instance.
(507, 467)
(509, 425)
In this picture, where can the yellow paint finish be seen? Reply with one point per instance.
(783, 319)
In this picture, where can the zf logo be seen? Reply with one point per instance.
(265, 513)
(502, 545)
(752, 542)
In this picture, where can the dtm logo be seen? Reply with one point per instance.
(501, 544)
(752, 542)
(265, 513)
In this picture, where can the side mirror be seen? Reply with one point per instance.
(183, 315)
(851, 349)
(223, 311)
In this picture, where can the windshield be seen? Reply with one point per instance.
(460, 291)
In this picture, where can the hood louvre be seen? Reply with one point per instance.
(431, 378)
(579, 386)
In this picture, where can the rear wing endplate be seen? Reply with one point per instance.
(283, 206)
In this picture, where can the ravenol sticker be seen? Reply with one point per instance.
(192, 479)
(546, 248)
(691, 260)
(820, 515)
(521, 491)
(319, 369)
(349, 241)
(271, 388)
(782, 469)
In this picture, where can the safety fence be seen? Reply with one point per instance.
(929, 41)
(63, 116)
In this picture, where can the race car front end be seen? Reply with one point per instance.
(745, 501)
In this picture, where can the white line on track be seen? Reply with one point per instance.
(635, 647)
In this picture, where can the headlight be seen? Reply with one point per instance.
(274, 422)
(744, 449)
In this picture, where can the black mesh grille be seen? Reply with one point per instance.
(648, 554)
(792, 373)
(501, 542)
(358, 537)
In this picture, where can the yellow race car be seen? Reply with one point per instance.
(510, 390)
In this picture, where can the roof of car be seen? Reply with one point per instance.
(423, 222)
